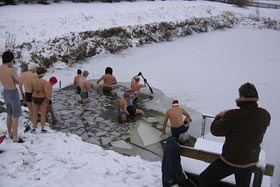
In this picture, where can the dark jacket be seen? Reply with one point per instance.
(172, 172)
(243, 129)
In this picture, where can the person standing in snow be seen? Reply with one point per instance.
(40, 101)
(9, 79)
(25, 86)
(76, 80)
(85, 86)
(243, 130)
(108, 80)
(52, 81)
(178, 125)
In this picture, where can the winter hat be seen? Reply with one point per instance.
(85, 73)
(175, 103)
(248, 90)
(7, 57)
(53, 79)
(32, 66)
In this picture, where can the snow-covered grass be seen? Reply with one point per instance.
(203, 71)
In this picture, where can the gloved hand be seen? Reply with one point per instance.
(145, 80)
(139, 74)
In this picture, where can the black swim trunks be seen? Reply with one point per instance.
(38, 101)
(28, 97)
(131, 110)
(176, 131)
(107, 89)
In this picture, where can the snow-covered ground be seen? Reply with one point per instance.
(203, 71)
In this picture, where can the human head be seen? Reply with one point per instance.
(7, 57)
(248, 90)
(53, 80)
(126, 95)
(79, 71)
(175, 103)
(137, 79)
(109, 70)
(32, 66)
(41, 70)
(85, 73)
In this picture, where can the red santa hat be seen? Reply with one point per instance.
(175, 103)
(53, 80)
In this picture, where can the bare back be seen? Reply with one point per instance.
(84, 84)
(39, 87)
(76, 79)
(26, 78)
(8, 77)
(175, 114)
(109, 80)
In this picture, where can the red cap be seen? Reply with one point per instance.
(53, 80)
(175, 103)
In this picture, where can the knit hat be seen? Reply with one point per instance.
(85, 73)
(248, 90)
(7, 57)
(32, 66)
(175, 103)
(53, 79)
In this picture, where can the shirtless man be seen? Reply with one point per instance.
(122, 112)
(85, 86)
(51, 83)
(26, 93)
(9, 79)
(175, 115)
(108, 80)
(136, 86)
(40, 101)
(76, 80)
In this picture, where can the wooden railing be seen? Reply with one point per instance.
(209, 157)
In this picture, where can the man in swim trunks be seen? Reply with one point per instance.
(26, 78)
(122, 112)
(132, 110)
(52, 81)
(136, 86)
(108, 80)
(9, 79)
(76, 80)
(175, 115)
(40, 101)
(85, 86)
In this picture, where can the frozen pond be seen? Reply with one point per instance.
(96, 122)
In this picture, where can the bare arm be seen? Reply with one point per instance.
(115, 80)
(100, 79)
(189, 119)
(16, 77)
(166, 117)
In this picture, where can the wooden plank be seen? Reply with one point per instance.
(198, 154)
(210, 157)
(269, 170)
